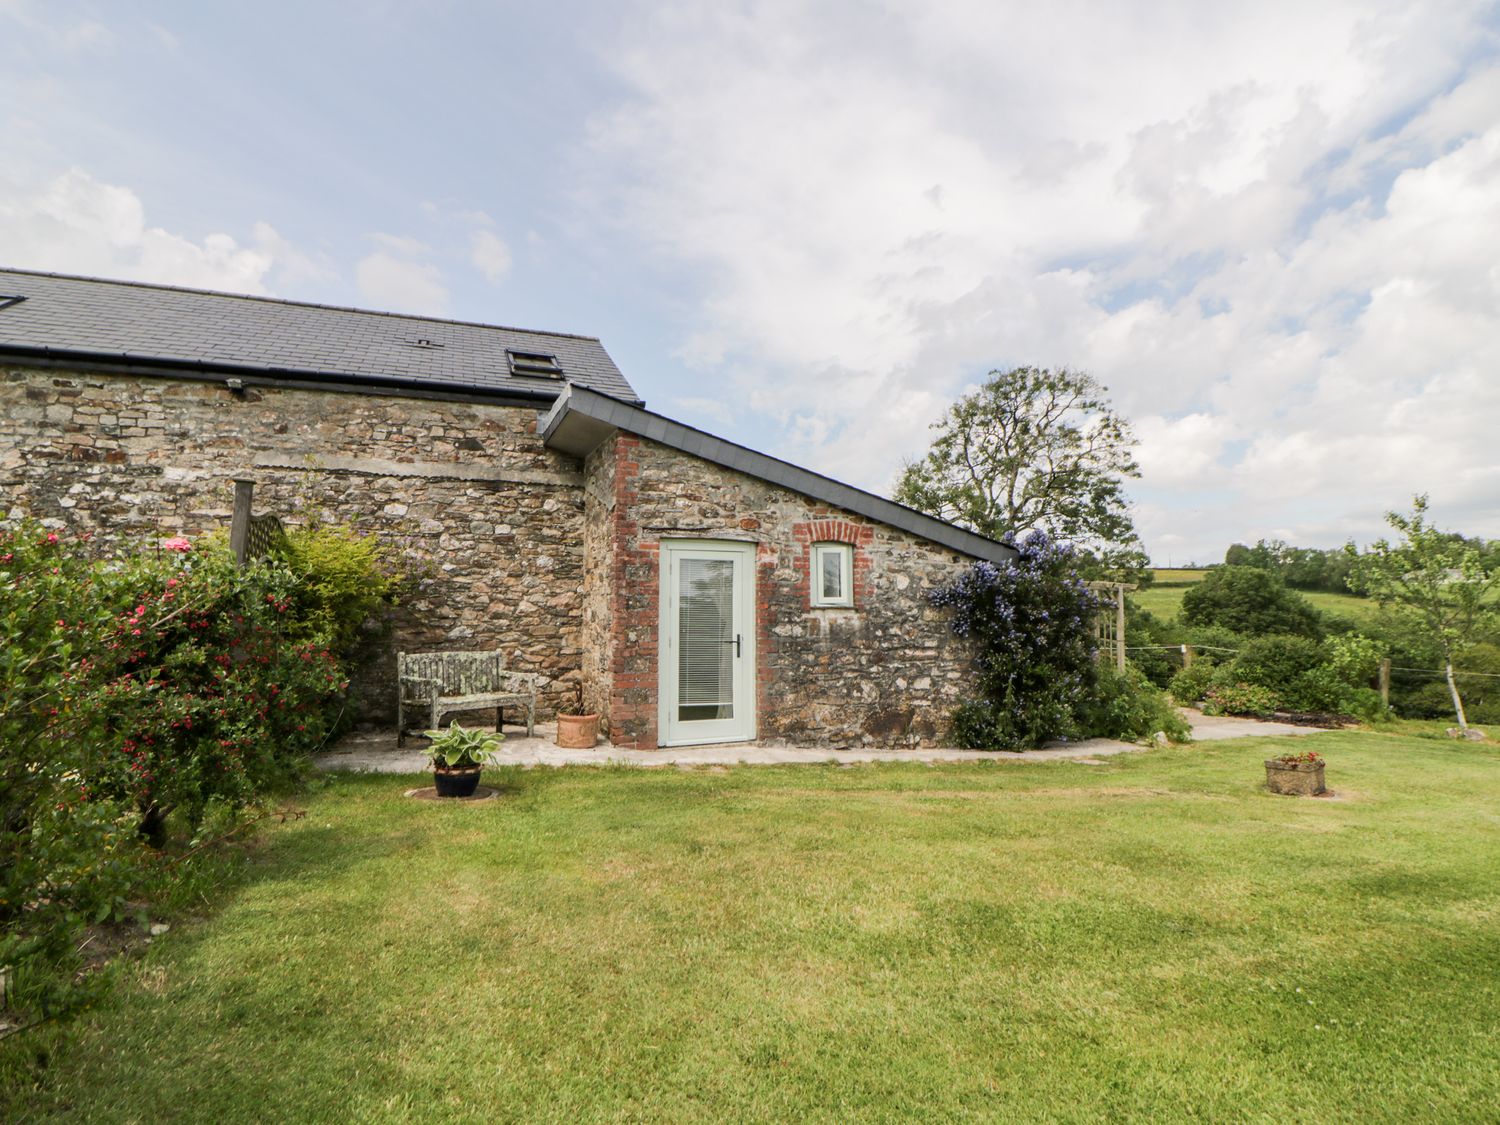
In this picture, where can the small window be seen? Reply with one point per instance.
(832, 574)
(534, 365)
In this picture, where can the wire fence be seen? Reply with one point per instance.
(1185, 652)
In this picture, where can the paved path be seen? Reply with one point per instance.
(1206, 729)
(377, 752)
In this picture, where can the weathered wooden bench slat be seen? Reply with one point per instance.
(435, 683)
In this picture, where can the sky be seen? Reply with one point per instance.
(1271, 229)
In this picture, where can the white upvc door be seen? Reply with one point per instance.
(707, 652)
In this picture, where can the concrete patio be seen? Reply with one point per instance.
(376, 751)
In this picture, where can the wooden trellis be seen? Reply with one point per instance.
(251, 537)
(1109, 625)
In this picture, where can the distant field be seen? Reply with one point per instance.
(1177, 576)
(1164, 597)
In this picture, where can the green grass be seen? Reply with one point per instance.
(1164, 597)
(1155, 938)
(1177, 575)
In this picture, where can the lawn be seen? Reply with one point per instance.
(1154, 938)
(1164, 597)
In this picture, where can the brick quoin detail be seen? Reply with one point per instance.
(635, 595)
(835, 529)
(886, 673)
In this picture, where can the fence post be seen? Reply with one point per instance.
(1385, 681)
(239, 523)
(1187, 657)
(1120, 628)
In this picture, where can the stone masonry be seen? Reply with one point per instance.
(886, 673)
(465, 493)
(518, 547)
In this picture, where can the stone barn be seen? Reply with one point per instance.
(698, 591)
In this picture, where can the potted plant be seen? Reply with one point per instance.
(577, 730)
(458, 756)
(1295, 775)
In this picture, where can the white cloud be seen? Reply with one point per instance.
(490, 255)
(401, 285)
(1207, 207)
(78, 224)
(166, 38)
(400, 244)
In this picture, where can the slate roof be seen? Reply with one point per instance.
(580, 420)
(95, 321)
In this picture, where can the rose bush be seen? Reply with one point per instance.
(137, 686)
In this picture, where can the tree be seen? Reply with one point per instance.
(1033, 450)
(1434, 578)
(1249, 600)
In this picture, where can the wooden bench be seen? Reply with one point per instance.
(435, 683)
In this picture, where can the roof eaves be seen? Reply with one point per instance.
(600, 412)
(179, 368)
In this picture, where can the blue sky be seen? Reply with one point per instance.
(1271, 229)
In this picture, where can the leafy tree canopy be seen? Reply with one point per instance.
(1302, 568)
(1034, 450)
(1250, 601)
(1438, 581)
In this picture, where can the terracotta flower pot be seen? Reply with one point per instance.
(1294, 779)
(577, 732)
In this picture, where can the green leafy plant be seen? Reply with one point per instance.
(1239, 699)
(1129, 706)
(1249, 601)
(1192, 683)
(1031, 621)
(136, 686)
(343, 582)
(1278, 664)
(462, 747)
(1440, 582)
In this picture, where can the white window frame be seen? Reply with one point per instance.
(845, 553)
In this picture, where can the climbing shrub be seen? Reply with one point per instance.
(1031, 620)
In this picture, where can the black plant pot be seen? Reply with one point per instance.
(456, 782)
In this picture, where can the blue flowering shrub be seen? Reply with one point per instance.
(1032, 624)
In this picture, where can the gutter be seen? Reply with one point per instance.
(256, 375)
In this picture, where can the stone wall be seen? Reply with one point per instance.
(599, 580)
(466, 493)
(886, 673)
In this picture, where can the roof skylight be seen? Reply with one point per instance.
(534, 365)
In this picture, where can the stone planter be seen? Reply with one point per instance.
(1294, 779)
(577, 732)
